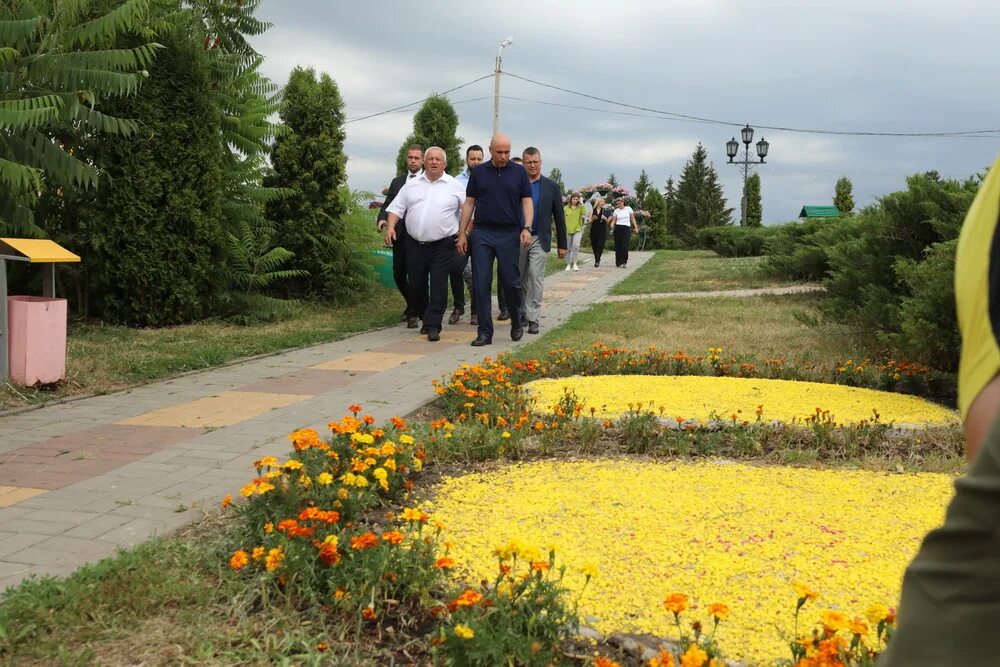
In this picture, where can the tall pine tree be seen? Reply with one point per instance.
(612, 181)
(657, 221)
(700, 202)
(556, 177)
(434, 124)
(669, 204)
(308, 159)
(755, 210)
(843, 195)
(642, 187)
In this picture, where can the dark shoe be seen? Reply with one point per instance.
(456, 315)
(481, 340)
(597, 263)
(516, 333)
(412, 323)
(433, 335)
(504, 315)
(532, 327)
(423, 329)
(475, 320)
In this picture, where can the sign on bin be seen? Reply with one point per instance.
(37, 342)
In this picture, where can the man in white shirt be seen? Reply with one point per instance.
(432, 205)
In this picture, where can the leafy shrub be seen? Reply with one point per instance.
(733, 241)
(798, 250)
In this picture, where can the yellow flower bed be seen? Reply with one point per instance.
(718, 531)
(698, 397)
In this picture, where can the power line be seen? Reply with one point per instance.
(714, 121)
(399, 108)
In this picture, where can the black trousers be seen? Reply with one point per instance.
(598, 237)
(430, 262)
(399, 269)
(457, 280)
(623, 234)
(501, 243)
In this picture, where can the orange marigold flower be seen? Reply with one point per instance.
(364, 541)
(257, 553)
(469, 598)
(354, 408)
(368, 419)
(328, 553)
(227, 501)
(664, 659)
(444, 563)
(694, 657)
(539, 565)
(606, 662)
(413, 514)
(393, 537)
(322, 646)
(676, 602)
(858, 627)
(398, 423)
(804, 593)
(368, 613)
(239, 560)
(833, 621)
(719, 611)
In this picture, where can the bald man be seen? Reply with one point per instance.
(950, 604)
(500, 195)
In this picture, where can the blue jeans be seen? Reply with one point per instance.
(502, 243)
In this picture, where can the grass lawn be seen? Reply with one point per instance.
(695, 271)
(763, 326)
(102, 358)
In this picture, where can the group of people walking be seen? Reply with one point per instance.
(497, 212)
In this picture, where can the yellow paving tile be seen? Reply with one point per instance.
(368, 361)
(15, 494)
(225, 409)
(453, 336)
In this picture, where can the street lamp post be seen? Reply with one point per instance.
(732, 148)
(496, 84)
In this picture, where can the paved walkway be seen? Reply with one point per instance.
(741, 293)
(82, 479)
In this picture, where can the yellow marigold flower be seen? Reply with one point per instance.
(406, 439)
(719, 611)
(417, 464)
(380, 474)
(833, 621)
(390, 464)
(343, 493)
(804, 592)
(257, 553)
(266, 462)
(292, 464)
(388, 449)
(463, 631)
(589, 570)
(324, 478)
(676, 603)
(331, 539)
(694, 657)
(858, 627)
(876, 613)
(413, 514)
(239, 560)
(274, 559)
(268, 528)
(505, 434)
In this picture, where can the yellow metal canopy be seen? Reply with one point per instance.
(36, 250)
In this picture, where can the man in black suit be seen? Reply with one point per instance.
(414, 165)
(548, 207)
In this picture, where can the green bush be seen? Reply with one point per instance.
(798, 250)
(732, 241)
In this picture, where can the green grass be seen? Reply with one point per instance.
(103, 358)
(764, 326)
(695, 271)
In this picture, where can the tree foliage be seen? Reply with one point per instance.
(642, 187)
(556, 177)
(669, 204)
(699, 202)
(58, 66)
(308, 159)
(657, 236)
(843, 196)
(612, 180)
(755, 210)
(434, 124)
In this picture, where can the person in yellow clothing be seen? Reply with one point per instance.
(574, 212)
(950, 604)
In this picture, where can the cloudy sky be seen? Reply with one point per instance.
(871, 66)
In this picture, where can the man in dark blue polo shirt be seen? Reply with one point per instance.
(500, 194)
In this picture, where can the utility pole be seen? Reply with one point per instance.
(496, 84)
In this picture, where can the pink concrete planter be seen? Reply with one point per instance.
(37, 349)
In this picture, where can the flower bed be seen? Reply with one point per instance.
(720, 532)
(738, 399)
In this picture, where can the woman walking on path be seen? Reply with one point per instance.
(599, 221)
(625, 224)
(574, 213)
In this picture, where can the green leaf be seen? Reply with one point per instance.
(19, 177)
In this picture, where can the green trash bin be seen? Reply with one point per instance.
(383, 266)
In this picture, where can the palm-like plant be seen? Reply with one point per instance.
(253, 263)
(55, 68)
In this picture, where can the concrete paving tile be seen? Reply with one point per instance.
(64, 551)
(226, 408)
(98, 526)
(11, 568)
(14, 542)
(59, 516)
(35, 527)
(368, 361)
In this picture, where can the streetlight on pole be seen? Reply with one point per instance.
(732, 148)
(496, 84)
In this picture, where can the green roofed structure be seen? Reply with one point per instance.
(819, 212)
